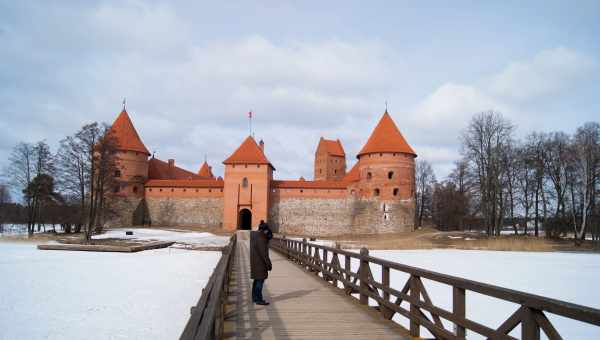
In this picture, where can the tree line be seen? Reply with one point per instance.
(545, 183)
(69, 188)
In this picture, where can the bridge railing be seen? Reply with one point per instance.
(421, 311)
(206, 320)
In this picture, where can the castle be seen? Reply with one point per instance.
(375, 196)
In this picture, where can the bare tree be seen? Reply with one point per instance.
(583, 177)
(4, 200)
(73, 176)
(484, 144)
(26, 162)
(425, 178)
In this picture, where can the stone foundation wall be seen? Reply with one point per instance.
(123, 212)
(310, 216)
(202, 212)
(329, 217)
(370, 216)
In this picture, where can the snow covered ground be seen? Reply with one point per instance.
(77, 295)
(565, 276)
(182, 238)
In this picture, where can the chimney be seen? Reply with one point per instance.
(261, 144)
(171, 168)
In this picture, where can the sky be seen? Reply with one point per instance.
(191, 70)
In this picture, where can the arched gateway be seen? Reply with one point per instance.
(245, 219)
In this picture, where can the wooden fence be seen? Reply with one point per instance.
(530, 315)
(206, 320)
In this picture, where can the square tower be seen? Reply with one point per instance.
(330, 160)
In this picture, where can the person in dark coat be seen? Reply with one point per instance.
(260, 263)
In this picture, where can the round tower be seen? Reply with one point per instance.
(385, 186)
(132, 158)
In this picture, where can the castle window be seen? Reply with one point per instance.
(117, 173)
(160, 190)
(245, 182)
(245, 165)
(135, 189)
(335, 171)
(369, 175)
(197, 190)
(172, 190)
(184, 190)
(221, 190)
(390, 174)
(376, 192)
(396, 191)
(301, 190)
(320, 171)
(150, 189)
(380, 154)
(209, 190)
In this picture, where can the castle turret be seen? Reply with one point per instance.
(330, 160)
(205, 171)
(386, 164)
(248, 176)
(132, 157)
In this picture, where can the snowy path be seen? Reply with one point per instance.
(77, 295)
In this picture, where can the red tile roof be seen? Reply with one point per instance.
(353, 175)
(158, 169)
(386, 138)
(185, 183)
(205, 171)
(309, 184)
(126, 135)
(332, 147)
(248, 153)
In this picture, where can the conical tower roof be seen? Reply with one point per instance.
(248, 153)
(126, 135)
(205, 171)
(386, 138)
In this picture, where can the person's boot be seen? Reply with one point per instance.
(262, 303)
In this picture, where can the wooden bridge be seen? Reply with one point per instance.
(320, 292)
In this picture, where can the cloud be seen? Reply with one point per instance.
(548, 72)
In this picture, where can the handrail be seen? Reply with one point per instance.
(206, 320)
(325, 261)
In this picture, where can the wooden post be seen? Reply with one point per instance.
(458, 309)
(303, 256)
(385, 281)
(414, 310)
(324, 264)
(362, 272)
(530, 330)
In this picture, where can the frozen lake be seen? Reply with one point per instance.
(77, 295)
(565, 276)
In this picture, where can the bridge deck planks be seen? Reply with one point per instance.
(303, 306)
